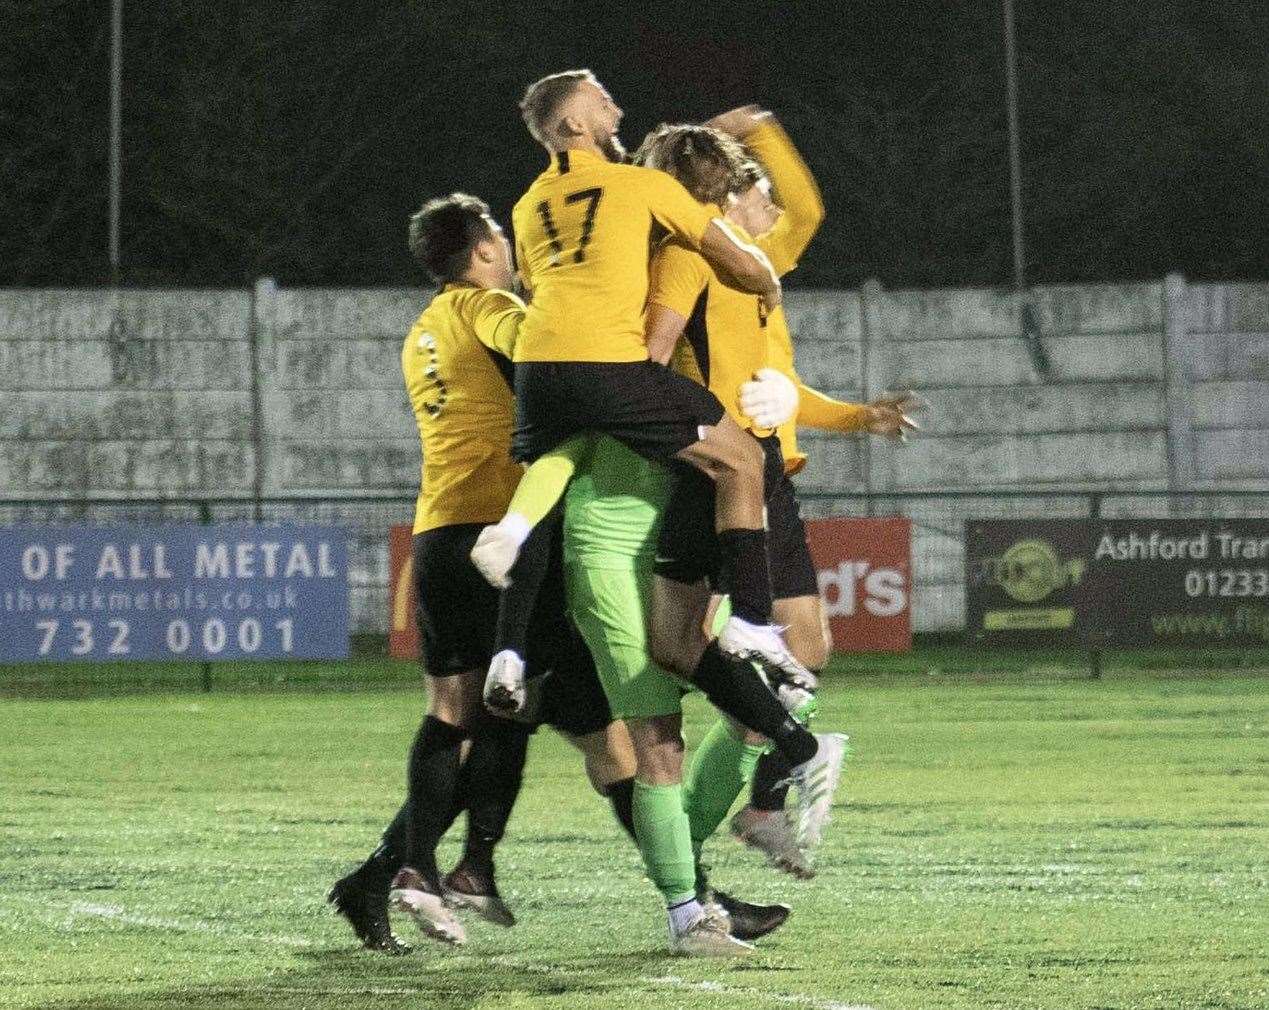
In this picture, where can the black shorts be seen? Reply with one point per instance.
(457, 610)
(688, 550)
(653, 410)
(572, 699)
(458, 614)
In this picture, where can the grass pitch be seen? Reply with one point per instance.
(999, 842)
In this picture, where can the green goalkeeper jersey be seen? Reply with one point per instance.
(612, 509)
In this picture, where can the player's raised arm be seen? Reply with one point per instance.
(774, 398)
(739, 262)
(495, 317)
(888, 415)
(791, 183)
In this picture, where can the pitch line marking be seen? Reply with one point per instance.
(116, 913)
(793, 999)
(721, 988)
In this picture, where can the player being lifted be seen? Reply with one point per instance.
(458, 377)
(582, 233)
(582, 366)
(744, 354)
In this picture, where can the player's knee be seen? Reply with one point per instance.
(660, 764)
(658, 747)
(735, 450)
(609, 757)
(455, 699)
(746, 460)
(814, 651)
(809, 644)
(455, 714)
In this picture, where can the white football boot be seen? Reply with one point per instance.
(708, 937)
(410, 894)
(769, 832)
(816, 782)
(764, 643)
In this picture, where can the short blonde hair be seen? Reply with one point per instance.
(542, 100)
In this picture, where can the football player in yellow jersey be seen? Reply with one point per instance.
(784, 232)
(459, 383)
(728, 340)
(582, 238)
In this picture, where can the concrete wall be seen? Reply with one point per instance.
(152, 400)
(1149, 386)
(182, 394)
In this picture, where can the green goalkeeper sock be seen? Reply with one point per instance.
(665, 840)
(721, 767)
(543, 484)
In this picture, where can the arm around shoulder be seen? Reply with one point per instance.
(495, 317)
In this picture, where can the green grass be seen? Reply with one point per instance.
(1004, 841)
(939, 656)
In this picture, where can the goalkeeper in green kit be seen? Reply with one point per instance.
(612, 518)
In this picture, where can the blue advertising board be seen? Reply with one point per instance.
(172, 592)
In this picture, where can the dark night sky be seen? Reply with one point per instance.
(292, 140)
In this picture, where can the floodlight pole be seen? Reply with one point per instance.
(1026, 306)
(1015, 165)
(116, 131)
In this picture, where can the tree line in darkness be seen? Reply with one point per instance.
(292, 140)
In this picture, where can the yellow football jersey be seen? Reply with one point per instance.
(797, 192)
(729, 335)
(725, 340)
(582, 241)
(794, 189)
(457, 368)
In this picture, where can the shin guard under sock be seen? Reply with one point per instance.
(770, 783)
(490, 782)
(665, 840)
(719, 769)
(433, 783)
(746, 574)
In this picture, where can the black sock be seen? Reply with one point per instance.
(621, 795)
(382, 864)
(491, 780)
(746, 573)
(516, 603)
(433, 780)
(735, 689)
(767, 794)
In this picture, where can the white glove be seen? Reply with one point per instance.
(770, 399)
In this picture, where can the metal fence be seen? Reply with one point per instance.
(938, 523)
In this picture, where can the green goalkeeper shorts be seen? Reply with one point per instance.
(609, 606)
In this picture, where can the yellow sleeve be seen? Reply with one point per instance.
(675, 208)
(495, 317)
(815, 410)
(544, 483)
(677, 277)
(795, 190)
